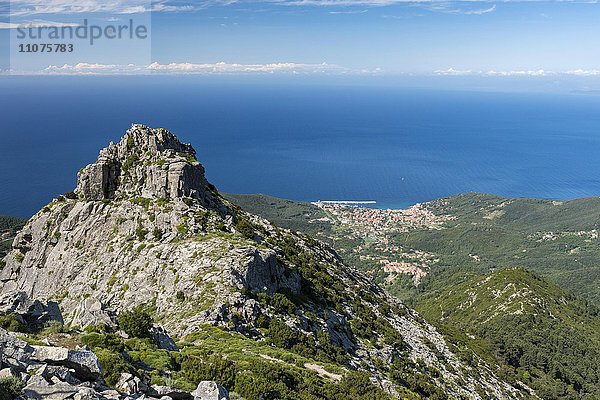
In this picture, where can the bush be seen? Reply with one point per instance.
(10, 388)
(136, 322)
(251, 386)
(109, 341)
(281, 334)
(196, 368)
(12, 323)
(282, 304)
(244, 227)
(358, 386)
(113, 364)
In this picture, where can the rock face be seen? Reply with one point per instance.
(14, 353)
(138, 208)
(147, 163)
(144, 226)
(31, 312)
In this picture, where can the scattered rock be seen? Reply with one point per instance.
(38, 388)
(210, 390)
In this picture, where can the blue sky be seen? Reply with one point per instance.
(371, 37)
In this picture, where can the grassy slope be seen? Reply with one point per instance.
(543, 335)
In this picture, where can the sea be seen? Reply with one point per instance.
(306, 141)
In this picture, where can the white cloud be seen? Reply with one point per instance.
(349, 12)
(584, 72)
(453, 72)
(36, 23)
(525, 72)
(539, 72)
(479, 12)
(198, 69)
(40, 7)
(382, 3)
(289, 68)
(21, 8)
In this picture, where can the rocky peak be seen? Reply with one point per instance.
(147, 162)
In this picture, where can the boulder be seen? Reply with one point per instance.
(130, 384)
(163, 340)
(91, 311)
(210, 390)
(170, 392)
(14, 352)
(64, 374)
(87, 394)
(38, 388)
(6, 373)
(84, 363)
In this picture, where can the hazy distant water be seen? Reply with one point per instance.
(306, 142)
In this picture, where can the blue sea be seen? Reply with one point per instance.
(306, 141)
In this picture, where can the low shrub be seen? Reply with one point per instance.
(113, 365)
(10, 388)
(12, 323)
(245, 228)
(136, 322)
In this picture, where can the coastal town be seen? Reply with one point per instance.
(375, 228)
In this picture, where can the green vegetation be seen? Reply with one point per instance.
(182, 229)
(11, 322)
(136, 322)
(19, 257)
(293, 215)
(244, 227)
(535, 330)
(256, 369)
(252, 369)
(11, 224)
(553, 239)
(543, 335)
(10, 388)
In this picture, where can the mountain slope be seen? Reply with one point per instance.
(475, 292)
(475, 233)
(542, 334)
(144, 227)
(557, 240)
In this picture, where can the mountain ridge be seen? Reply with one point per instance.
(145, 227)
